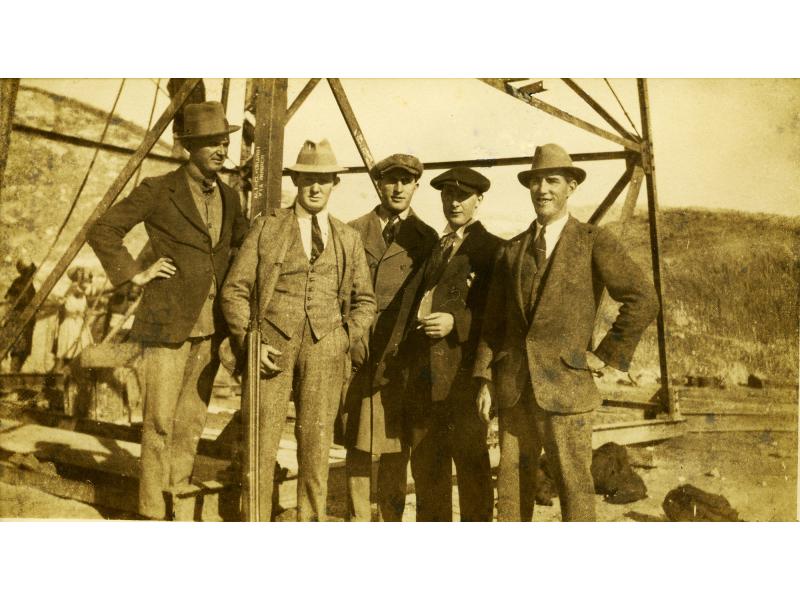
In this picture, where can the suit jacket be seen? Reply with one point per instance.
(257, 266)
(169, 307)
(440, 369)
(549, 349)
(373, 422)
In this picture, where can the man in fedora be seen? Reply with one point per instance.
(443, 423)
(396, 242)
(534, 357)
(193, 221)
(308, 276)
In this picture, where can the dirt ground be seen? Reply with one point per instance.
(756, 472)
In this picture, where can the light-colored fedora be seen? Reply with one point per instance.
(551, 157)
(205, 119)
(316, 157)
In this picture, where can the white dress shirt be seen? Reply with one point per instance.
(304, 221)
(552, 233)
(403, 215)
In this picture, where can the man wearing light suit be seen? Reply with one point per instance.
(534, 356)
(397, 243)
(311, 281)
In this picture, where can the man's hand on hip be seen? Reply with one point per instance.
(484, 401)
(163, 268)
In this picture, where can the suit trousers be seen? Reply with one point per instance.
(313, 375)
(178, 380)
(392, 485)
(525, 429)
(452, 433)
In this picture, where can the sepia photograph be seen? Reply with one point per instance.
(432, 300)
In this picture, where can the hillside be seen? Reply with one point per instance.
(732, 279)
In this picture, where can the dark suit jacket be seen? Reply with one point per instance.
(373, 422)
(257, 267)
(169, 307)
(440, 369)
(549, 351)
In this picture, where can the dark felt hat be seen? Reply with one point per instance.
(205, 119)
(463, 178)
(406, 162)
(551, 157)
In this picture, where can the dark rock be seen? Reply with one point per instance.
(614, 477)
(688, 503)
(754, 381)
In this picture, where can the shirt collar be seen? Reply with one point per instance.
(302, 213)
(195, 176)
(460, 232)
(556, 227)
(403, 215)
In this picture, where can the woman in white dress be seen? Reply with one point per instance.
(73, 332)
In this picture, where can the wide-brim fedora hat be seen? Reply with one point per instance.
(316, 157)
(205, 119)
(548, 158)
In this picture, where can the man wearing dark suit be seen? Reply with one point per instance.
(534, 356)
(397, 243)
(442, 419)
(193, 221)
(307, 272)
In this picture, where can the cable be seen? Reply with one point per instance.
(149, 125)
(622, 107)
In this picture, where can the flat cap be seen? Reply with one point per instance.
(463, 178)
(406, 162)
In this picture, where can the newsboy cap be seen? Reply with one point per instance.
(463, 178)
(406, 162)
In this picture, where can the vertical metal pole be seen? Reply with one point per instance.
(648, 165)
(226, 88)
(270, 110)
(8, 100)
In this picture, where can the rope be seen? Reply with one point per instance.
(74, 200)
(622, 107)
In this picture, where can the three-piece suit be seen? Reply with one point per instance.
(311, 312)
(178, 320)
(538, 328)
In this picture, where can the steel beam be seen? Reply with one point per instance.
(355, 130)
(612, 196)
(14, 327)
(565, 116)
(8, 101)
(599, 110)
(633, 193)
(655, 242)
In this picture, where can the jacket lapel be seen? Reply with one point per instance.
(407, 236)
(229, 200)
(373, 240)
(337, 237)
(182, 198)
(567, 252)
(520, 250)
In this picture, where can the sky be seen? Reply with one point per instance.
(719, 143)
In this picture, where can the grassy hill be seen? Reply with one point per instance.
(731, 279)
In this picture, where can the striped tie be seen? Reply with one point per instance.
(317, 246)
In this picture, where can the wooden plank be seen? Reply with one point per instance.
(8, 101)
(612, 196)
(355, 130)
(655, 242)
(638, 432)
(14, 327)
(573, 120)
(301, 97)
(599, 109)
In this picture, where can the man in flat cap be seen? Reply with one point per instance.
(397, 243)
(308, 276)
(442, 419)
(193, 221)
(534, 356)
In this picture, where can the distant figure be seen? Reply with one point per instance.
(120, 302)
(73, 331)
(18, 296)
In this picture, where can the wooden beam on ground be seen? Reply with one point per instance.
(8, 101)
(648, 165)
(301, 97)
(355, 130)
(14, 327)
(612, 196)
(565, 116)
(599, 109)
(638, 432)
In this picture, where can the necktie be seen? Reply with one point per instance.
(317, 245)
(207, 185)
(540, 245)
(390, 230)
(439, 260)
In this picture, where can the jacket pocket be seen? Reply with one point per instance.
(577, 362)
